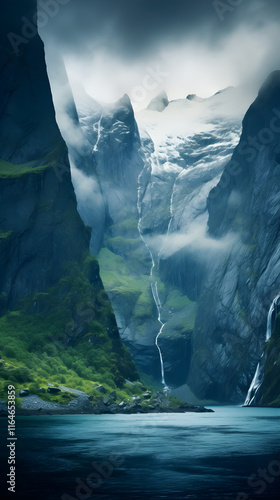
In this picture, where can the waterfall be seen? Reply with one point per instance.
(154, 288)
(98, 133)
(158, 305)
(259, 375)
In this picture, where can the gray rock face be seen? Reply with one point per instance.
(106, 184)
(113, 134)
(101, 389)
(40, 228)
(240, 286)
(159, 103)
(27, 119)
(53, 390)
(216, 284)
(23, 393)
(155, 190)
(80, 139)
(44, 245)
(185, 152)
(37, 211)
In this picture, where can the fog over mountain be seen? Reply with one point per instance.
(142, 47)
(140, 249)
(181, 76)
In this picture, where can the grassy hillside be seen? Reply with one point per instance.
(67, 335)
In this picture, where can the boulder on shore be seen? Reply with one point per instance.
(53, 390)
(23, 393)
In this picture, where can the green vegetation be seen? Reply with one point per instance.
(127, 226)
(8, 170)
(144, 305)
(62, 398)
(150, 383)
(120, 244)
(177, 301)
(67, 335)
(174, 401)
(122, 282)
(5, 235)
(125, 266)
(12, 170)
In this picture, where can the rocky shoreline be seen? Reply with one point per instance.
(32, 405)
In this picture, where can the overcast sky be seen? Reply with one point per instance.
(141, 47)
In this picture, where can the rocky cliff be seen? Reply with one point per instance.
(155, 186)
(188, 232)
(53, 302)
(242, 283)
(40, 228)
(117, 162)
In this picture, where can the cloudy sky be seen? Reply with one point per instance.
(141, 47)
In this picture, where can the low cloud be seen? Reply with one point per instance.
(87, 188)
(195, 239)
(111, 43)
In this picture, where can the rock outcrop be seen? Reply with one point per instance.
(241, 285)
(40, 228)
(52, 300)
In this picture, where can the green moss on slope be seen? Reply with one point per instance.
(5, 235)
(10, 170)
(122, 281)
(67, 335)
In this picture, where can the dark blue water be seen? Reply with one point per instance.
(173, 456)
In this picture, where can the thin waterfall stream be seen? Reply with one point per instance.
(154, 288)
(98, 133)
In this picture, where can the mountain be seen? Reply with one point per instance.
(186, 148)
(117, 163)
(37, 198)
(57, 324)
(148, 175)
(188, 249)
(232, 317)
(159, 103)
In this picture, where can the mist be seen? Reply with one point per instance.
(183, 47)
(193, 240)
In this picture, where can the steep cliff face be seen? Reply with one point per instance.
(240, 286)
(186, 147)
(40, 227)
(117, 163)
(215, 285)
(113, 134)
(52, 299)
(155, 186)
(28, 128)
(269, 391)
(80, 135)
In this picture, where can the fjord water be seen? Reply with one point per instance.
(160, 456)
